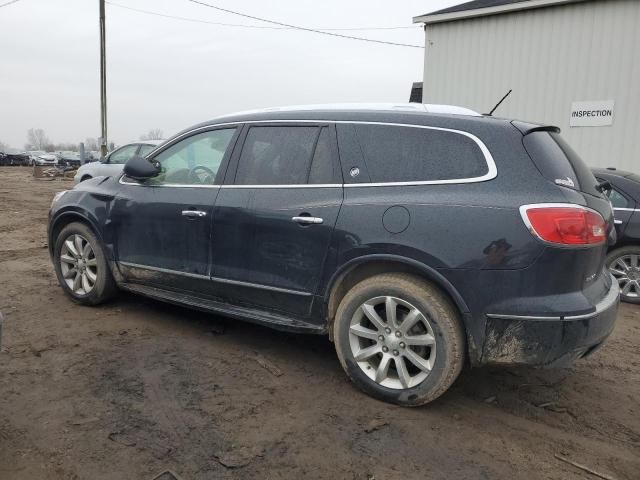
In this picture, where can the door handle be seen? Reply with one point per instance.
(193, 213)
(307, 220)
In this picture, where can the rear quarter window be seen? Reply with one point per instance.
(559, 163)
(407, 154)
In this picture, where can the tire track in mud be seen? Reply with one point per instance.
(22, 253)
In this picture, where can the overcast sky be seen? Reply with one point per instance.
(169, 74)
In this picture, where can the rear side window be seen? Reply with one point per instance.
(559, 163)
(286, 155)
(408, 154)
(617, 199)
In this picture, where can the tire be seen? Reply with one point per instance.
(438, 318)
(627, 278)
(100, 285)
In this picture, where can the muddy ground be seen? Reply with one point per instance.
(136, 387)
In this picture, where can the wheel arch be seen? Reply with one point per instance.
(65, 218)
(363, 267)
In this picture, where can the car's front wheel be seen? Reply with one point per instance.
(81, 266)
(624, 264)
(399, 339)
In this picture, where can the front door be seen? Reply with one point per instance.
(274, 217)
(162, 227)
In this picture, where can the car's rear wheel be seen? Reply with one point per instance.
(399, 339)
(624, 264)
(81, 266)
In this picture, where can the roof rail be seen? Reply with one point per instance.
(398, 107)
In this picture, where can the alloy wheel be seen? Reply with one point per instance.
(78, 264)
(626, 269)
(392, 342)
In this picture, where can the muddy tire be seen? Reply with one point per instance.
(399, 339)
(81, 266)
(624, 265)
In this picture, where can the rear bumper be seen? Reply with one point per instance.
(549, 341)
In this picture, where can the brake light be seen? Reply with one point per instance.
(565, 224)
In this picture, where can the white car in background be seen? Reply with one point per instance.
(114, 162)
(49, 159)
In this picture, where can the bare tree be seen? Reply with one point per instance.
(154, 134)
(37, 138)
(91, 144)
(3, 147)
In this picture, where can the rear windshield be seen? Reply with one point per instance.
(559, 163)
(406, 154)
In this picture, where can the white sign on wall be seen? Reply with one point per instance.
(591, 114)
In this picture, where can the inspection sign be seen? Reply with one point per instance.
(591, 114)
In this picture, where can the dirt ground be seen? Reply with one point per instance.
(136, 387)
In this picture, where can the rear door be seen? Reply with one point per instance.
(274, 216)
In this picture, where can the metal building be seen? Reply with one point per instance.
(570, 63)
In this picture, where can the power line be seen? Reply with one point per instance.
(261, 27)
(305, 29)
(8, 3)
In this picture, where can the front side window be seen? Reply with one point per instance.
(411, 154)
(277, 155)
(194, 160)
(122, 155)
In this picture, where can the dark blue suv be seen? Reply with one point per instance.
(416, 237)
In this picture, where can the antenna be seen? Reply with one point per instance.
(499, 103)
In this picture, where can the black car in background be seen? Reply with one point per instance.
(623, 259)
(13, 157)
(69, 159)
(415, 240)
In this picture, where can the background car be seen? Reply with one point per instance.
(46, 159)
(114, 162)
(623, 259)
(92, 156)
(13, 157)
(33, 154)
(70, 159)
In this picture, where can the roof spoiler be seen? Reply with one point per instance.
(527, 128)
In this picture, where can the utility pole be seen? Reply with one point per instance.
(103, 84)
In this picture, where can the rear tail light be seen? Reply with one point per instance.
(565, 224)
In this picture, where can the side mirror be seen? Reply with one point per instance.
(140, 168)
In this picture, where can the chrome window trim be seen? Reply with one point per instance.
(301, 185)
(122, 181)
(492, 171)
(490, 175)
(216, 279)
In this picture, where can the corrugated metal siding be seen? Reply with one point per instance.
(550, 57)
